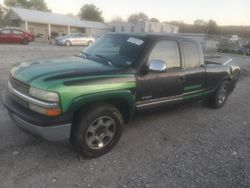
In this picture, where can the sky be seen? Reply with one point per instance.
(224, 12)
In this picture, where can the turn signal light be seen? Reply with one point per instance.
(45, 111)
(53, 112)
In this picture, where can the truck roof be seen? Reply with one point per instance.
(153, 35)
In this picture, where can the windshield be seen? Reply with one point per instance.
(120, 50)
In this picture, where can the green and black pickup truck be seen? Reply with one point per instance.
(87, 99)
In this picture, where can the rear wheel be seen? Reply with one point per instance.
(220, 96)
(25, 41)
(98, 130)
(67, 43)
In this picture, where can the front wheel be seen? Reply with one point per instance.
(97, 130)
(67, 43)
(220, 96)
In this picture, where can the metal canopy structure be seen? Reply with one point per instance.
(49, 18)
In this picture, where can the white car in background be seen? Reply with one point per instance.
(75, 39)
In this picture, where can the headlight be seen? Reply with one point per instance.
(43, 95)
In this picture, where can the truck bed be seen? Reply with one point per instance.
(211, 59)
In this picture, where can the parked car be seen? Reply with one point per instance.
(245, 49)
(87, 99)
(15, 35)
(229, 44)
(75, 39)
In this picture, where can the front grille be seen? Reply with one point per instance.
(22, 88)
(20, 101)
(19, 86)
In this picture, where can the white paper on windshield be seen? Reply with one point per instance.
(135, 41)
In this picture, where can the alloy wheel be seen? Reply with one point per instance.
(222, 94)
(100, 132)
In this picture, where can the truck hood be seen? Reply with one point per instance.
(59, 68)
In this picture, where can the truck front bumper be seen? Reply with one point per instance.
(56, 133)
(55, 129)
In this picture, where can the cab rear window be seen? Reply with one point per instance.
(191, 54)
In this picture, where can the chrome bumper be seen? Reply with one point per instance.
(58, 133)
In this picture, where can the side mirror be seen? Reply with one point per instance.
(156, 65)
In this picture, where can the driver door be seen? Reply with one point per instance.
(163, 87)
(5, 36)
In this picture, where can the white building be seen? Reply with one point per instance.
(143, 27)
(44, 23)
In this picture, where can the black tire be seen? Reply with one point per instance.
(67, 43)
(219, 98)
(25, 41)
(88, 132)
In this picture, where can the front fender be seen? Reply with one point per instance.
(83, 100)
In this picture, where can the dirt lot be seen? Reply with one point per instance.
(188, 146)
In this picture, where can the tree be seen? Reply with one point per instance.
(177, 23)
(154, 20)
(117, 19)
(3, 19)
(140, 17)
(38, 5)
(200, 22)
(28, 4)
(2, 11)
(70, 15)
(91, 12)
(16, 3)
(212, 27)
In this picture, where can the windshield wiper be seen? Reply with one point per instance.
(84, 55)
(105, 58)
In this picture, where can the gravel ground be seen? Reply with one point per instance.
(188, 146)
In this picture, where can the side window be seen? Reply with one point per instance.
(191, 54)
(17, 32)
(167, 51)
(6, 31)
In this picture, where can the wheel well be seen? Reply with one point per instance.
(67, 41)
(24, 39)
(123, 107)
(120, 104)
(223, 80)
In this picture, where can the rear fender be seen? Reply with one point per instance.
(234, 76)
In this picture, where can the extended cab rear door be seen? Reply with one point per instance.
(194, 70)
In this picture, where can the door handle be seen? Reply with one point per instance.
(181, 79)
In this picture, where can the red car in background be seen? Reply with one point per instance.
(15, 35)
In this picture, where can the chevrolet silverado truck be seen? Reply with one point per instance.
(87, 99)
